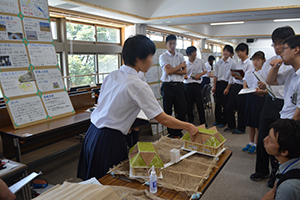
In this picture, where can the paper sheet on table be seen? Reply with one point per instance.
(90, 181)
(247, 91)
(8, 166)
(142, 115)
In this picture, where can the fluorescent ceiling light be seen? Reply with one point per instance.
(226, 23)
(287, 20)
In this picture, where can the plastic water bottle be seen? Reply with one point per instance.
(153, 180)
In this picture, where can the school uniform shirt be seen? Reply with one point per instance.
(222, 69)
(123, 94)
(208, 69)
(193, 69)
(245, 65)
(277, 90)
(291, 82)
(250, 79)
(174, 61)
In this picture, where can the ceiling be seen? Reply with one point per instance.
(193, 17)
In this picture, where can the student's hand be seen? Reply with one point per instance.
(234, 75)
(213, 90)
(193, 130)
(197, 77)
(5, 193)
(182, 65)
(261, 85)
(185, 77)
(276, 63)
(226, 91)
(259, 92)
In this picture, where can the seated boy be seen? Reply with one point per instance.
(283, 143)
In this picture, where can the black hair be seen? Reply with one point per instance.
(288, 131)
(242, 47)
(190, 50)
(258, 55)
(293, 41)
(282, 33)
(211, 58)
(228, 48)
(138, 46)
(171, 37)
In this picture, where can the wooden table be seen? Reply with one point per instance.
(167, 193)
(34, 137)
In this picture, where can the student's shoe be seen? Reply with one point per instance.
(258, 176)
(252, 150)
(237, 131)
(228, 129)
(221, 125)
(247, 147)
(216, 123)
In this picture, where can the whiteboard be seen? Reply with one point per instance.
(57, 103)
(17, 83)
(48, 79)
(9, 6)
(42, 54)
(13, 55)
(26, 110)
(35, 8)
(37, 30)
(152, 74)
(11, 28)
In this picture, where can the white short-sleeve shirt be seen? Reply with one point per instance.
(245, 65)
(174, 61)
(291, 81)
(250, 79)
(208, 69)
(193, 69)
(123, 94)
(277, 90)
(222, 69)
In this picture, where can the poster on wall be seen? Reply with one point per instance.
(11, 28)
(37, 30)
(156, 90)
(35, 8)
(57, 103)
(42, 54)
(9, 6)
(17, 83)
(26, 110)
(152, 74)
(48, 79)
(13, 55)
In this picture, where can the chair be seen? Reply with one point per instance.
(207, 103)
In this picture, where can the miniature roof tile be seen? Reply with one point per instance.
(143, 154)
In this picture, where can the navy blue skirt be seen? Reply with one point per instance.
(102, 149)
(254, 105)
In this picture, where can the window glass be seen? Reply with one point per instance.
(53, 30)
(108, 63)
(80, 32)
(108, 34)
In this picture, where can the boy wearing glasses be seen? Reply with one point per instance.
(272, 106)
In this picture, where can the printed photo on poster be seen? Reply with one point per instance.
(10, 28)
(37, 30)
(35, 8)
(13, 55)
(27, 110)
(9, 6)
(42, 54)
(17, 83)
(48, 79)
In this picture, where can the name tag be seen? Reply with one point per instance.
(294, 98)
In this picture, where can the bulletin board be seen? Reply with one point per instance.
(30, 79)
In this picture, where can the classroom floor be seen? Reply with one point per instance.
(232, 183)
